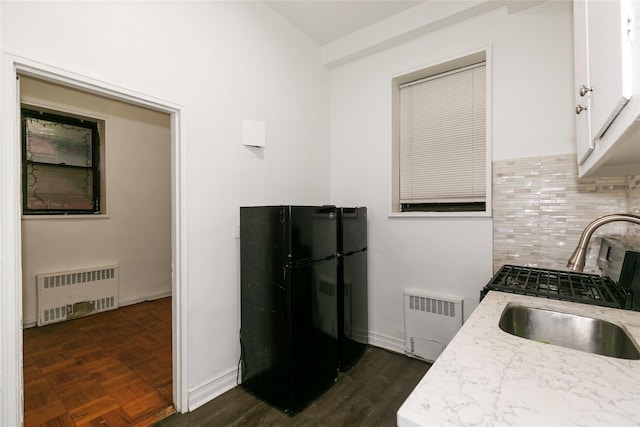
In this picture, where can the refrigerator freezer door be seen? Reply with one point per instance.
(354, 229)
(312, 232)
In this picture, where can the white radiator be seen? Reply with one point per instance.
(70, 294)
(430, 322)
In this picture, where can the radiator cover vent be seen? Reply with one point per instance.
(430, 321)
(69, 294)
(432, 305)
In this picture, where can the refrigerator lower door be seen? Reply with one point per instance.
(263, 347)
(312, 338)
(353, 310)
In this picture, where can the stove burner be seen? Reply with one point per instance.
(557, 284)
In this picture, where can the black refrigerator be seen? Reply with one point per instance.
(289, 319)
(353, 316)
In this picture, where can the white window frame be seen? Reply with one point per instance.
(457, 62)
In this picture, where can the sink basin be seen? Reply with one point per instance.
(582, 333)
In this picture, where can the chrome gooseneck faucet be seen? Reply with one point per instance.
(577, 260)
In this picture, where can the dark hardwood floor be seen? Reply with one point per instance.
(369, 394)
(107, 369)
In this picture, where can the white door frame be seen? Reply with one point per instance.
(11, 381)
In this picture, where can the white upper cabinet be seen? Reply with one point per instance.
(607, 86)
(581, 68)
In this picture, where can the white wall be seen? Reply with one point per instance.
(135, 231)
(223, 62)
(532, 116)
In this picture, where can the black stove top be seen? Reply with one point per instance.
(558, 284)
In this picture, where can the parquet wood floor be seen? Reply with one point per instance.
(108, 369)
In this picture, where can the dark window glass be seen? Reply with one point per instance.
(444, 207)
(60, 164)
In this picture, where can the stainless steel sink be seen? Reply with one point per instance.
(568, 330)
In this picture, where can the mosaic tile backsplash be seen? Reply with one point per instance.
(540, 208)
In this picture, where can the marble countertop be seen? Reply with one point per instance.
(488, 377)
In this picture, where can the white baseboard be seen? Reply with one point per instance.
(385, 341)
(143, 298)
(213, 388)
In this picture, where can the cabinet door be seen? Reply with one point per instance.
(609, 59)
(581, 67)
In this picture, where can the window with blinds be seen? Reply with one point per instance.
(442, 142)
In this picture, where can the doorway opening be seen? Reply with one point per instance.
(11, 218)
(116, 365)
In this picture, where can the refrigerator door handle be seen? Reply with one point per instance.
(299, 264)
(354, 252)
(308, 262)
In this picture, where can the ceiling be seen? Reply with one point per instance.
(325, 20)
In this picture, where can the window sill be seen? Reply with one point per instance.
(65, 217)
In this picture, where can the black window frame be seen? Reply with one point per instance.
(95, 160)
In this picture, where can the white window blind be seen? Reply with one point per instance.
(443, 138)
